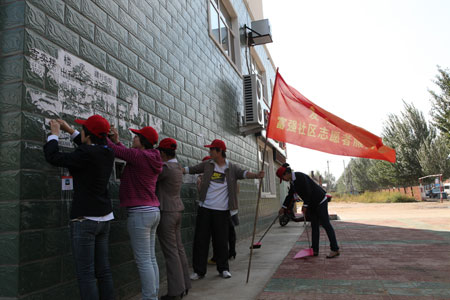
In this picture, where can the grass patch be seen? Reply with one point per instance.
(374, 197)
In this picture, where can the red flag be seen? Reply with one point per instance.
(296, 120)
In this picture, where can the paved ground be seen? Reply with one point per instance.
(265, 261)
(389, 251)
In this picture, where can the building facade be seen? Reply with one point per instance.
(175, 65)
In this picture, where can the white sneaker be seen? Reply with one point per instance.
(226, 274)
(195, 276)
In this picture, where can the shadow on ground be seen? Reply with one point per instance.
(379, 260)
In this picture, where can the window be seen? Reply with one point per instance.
(222, 29)
(268, 183)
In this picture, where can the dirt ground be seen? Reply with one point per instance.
(373, 211)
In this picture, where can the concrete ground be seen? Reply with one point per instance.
(388, 251)
(275, 246)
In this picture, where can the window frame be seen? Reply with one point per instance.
(269, 169)
(233, 55)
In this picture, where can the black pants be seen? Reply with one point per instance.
(215, 223)
(319, 216)
(231, 240)
(231, 243)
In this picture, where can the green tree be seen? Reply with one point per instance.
(434, 157)
(384, 174)
(440, 109)
(405, 133)
(330, 181)
(341, 185)
(345, 183)
(360, 174)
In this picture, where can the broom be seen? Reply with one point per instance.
(258, 244)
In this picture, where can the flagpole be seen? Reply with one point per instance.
(260, 186)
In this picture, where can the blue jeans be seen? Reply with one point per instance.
(90, 253)
(142, 230)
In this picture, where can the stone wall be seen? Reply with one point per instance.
(137, 63)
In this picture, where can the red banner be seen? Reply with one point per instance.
(296, 120)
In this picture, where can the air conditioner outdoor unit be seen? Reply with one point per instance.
(253, 101)
(255, 109)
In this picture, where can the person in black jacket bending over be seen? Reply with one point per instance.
(90, 165)
(315, 203)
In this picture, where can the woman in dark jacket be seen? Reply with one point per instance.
(90, 165)
(315, 203)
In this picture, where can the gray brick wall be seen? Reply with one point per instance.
(169, 74)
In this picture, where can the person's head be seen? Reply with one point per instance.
(167, 147)
(284, 173)
(145, 138)
(217, 149)
(95, 129)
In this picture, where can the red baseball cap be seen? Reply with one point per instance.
(168, 143)
(206, 158)
(217, 144)
(280, 172)
(149, 133)
(95, 124)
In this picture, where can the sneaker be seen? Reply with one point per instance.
(195, 276)
(226, 274)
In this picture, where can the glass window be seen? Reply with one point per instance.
(224, 36)
(268, 183)
(214, 22)
(224, 14)
(221, 29)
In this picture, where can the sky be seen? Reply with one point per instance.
(358, 59)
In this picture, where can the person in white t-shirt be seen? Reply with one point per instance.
(218, 200)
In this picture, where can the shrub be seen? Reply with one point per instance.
(373, 197)
(400, 198)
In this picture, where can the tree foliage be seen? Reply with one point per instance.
(421, 148)
(406, 133)
(328, 179)
(440, 110)
(434, 157)
(361, 179)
